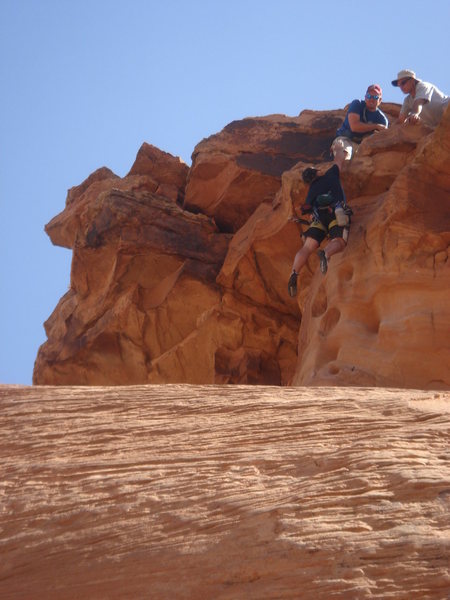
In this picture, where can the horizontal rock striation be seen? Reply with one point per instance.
(224, 492)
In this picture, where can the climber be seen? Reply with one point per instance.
(424, 101)
(329, 216)
(362, 119)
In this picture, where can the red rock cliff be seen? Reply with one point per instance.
(180, 275)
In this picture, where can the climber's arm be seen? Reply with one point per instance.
(357, 126)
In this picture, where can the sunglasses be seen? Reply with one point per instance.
(403, 81)
(374, 96)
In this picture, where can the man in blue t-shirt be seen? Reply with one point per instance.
(362, 119)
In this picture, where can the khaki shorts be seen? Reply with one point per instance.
(346, 144)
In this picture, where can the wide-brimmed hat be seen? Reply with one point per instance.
(405, 73)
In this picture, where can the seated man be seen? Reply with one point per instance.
(424, 101)
(325, 202)
(363, 118)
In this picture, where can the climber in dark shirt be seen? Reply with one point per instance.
(325, 203)
(329, 182)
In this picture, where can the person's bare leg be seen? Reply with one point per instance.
(341, 152)
(304, 253)
(334, 246)
(299, 261)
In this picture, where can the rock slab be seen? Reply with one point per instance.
(224, 492)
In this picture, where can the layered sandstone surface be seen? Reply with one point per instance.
(224, 492)
(180, 274)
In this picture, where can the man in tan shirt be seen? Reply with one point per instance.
(424, 101)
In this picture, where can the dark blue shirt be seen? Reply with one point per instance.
(366, 116)
(329, 182)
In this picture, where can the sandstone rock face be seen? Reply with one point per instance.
(135, 261)
(180, 275)
(385, 300)
(240, 168)
(366, 323)
(224, 492)
(154, 171)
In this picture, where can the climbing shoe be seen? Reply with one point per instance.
(292, 285)
(323, 261)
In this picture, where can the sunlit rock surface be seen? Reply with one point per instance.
(238, 169)
(180, 274)
(224, 492)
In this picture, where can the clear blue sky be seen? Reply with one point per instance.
(85, 82)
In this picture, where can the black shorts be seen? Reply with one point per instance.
(326, 227)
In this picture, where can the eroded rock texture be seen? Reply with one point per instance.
(180, 275)
(224, 493)
(236, 170)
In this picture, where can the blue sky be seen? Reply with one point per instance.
(84, 83)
